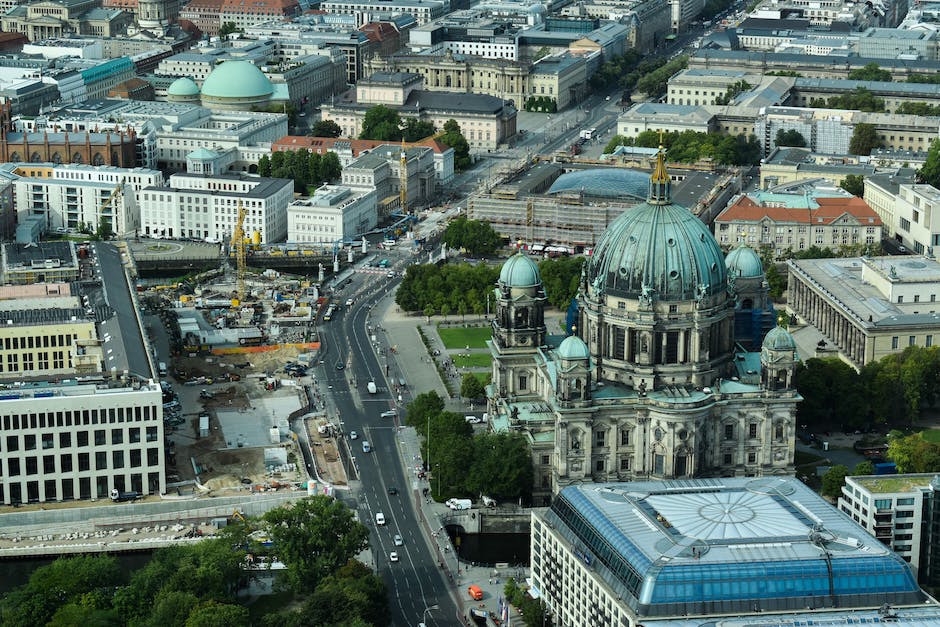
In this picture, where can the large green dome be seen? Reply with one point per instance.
(744, 262)
(659, 250)
(183, 86)
(520, 271)
(573, 348)
(237, 79)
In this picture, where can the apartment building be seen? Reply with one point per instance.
(910, 211)
(424, 11)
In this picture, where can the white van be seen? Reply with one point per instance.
(473, 419)
(366, 447)
(379, 518)
(459, 504)
(162, 368)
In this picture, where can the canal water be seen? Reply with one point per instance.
(491, 548)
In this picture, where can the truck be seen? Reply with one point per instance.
(120, 497)
(371, 387)
(162, 368)
(588, 133)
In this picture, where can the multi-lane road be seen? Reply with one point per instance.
(415, 581)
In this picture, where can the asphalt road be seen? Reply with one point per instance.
(415, 582)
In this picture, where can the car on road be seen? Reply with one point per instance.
(379, 518)
(389, 414)
(340, 365)
(353, 435)
(393, 490)
(398, 541)
(365, 446)
(393, 556)
(473, 420)
(349, 302)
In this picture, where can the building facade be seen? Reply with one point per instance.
(652, 385)
(334, 213)
(910, 212)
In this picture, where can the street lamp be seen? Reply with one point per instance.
(428, 609)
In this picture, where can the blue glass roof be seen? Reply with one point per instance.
(690, 547)
(604, 183)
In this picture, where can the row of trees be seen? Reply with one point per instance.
(692, 146)
(918, 108)
(466, 465)
(632, 70)
(791, 137)
(196, 585)
(861, 99)
(462, 288)
(307, 169)
(893, 390)
(544, 104)
(477, 237)
(911, 453)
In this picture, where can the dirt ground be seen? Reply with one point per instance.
(325, 451)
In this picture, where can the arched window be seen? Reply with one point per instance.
(97, 159)
(77, 158)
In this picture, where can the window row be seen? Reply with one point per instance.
(81, 462)
(69, 418)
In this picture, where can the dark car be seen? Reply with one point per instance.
(340, 365)
(393, 490)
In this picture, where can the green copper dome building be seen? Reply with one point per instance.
(652, 384)
(236, 85)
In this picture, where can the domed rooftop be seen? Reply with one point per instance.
(573, 348)
(779, 339)
(658, 250)
(744, 262)
(520, 271)
(183, 86)
(237, 79)
(603, 183)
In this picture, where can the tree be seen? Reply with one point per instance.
(104, 231)
(864, 139)
(821, 380)
(776, 281)
(228, 28)
(474, 236)
(326, 128)
(264, 166)
(913, 453)
(381, 123)
(791, 137)
(871, 72)
(560, 278)
(501, 467)
(454, 138)
(214, 614)
(416, 130)
(833, 480)
(863, 468)
(853, 184)
(314, 537)
(330, 168)
(930, 172)
(63, 582)
(352, 595)
(470, 387)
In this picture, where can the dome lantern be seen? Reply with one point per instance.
(660, 184)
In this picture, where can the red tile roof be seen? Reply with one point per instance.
(379, 31)
(830, 210)
(324, 144)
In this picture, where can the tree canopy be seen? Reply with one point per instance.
(930, 172)
(415, 130)
(471, 387)
(454, 138)
(314, 538)
(791, 137)
(692, 146)
(475, 236)
(853, 184)
(326, 128)
(560, 279)
(871, 72)
(864, 139)
(456, 285)
(466, 464)
(381, 123)
(307, 169)
(861, 99)
(913, 453)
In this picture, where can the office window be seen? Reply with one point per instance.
(752, 458)
(100, 437)
(82, 438)
(65, 461)
(894, 342)
(599, 438)
(101, 460)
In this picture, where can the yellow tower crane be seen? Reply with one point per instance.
(403, 179)
(116, 193)
(238, 245)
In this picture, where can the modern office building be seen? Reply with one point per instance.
(867, 307)
(334, 213)
(908, 211)
(653, 384)
(729, 552)
(423, 11)
(205, 206)
(892, 508)
(81, 412)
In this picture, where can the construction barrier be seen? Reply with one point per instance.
(239, 350)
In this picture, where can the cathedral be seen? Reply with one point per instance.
(653, 383)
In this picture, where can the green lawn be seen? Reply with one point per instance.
(459, 337)
(484, 377)
(931, 435)
(474, 360)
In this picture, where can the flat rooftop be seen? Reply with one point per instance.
(888, 484)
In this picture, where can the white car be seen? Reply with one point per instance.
(398, 541)
(353, 435)
(393, 556)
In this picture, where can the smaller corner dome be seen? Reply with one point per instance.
(520, 271)
(183, 86)
(744, 262)
(573, 348)
(237, 79)
(779, 339)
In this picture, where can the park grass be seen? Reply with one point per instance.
(473, 360)
(931, 435)
(483, 377)
(461, 337)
